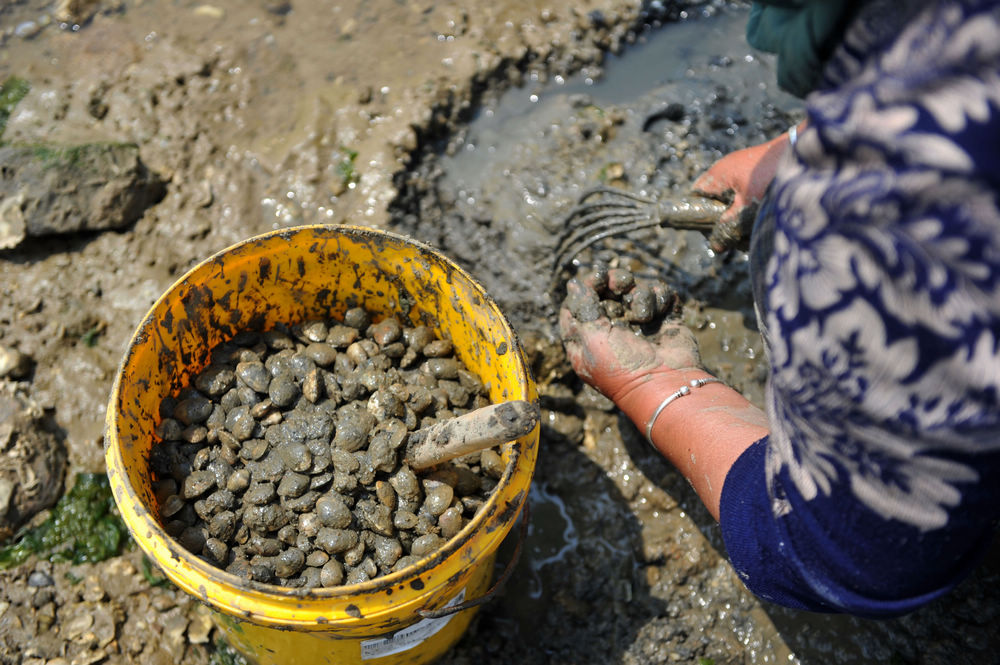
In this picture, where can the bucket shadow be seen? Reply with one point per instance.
(577, 594)
(615, 570)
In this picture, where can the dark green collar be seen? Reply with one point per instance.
(803, 34)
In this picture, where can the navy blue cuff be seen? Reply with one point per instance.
(750, 532)
(832, 554)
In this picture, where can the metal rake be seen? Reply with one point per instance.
(603, 212)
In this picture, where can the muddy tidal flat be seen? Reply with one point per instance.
(139, 137)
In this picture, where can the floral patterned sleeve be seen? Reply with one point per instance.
(879, 486)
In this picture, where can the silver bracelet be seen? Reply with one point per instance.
(681, 392)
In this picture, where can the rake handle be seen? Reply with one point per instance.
(690, 212)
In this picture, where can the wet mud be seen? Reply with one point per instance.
(476, 131)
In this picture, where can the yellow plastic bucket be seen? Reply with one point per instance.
(290, 276)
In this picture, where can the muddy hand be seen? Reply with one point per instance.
(741, 179)
(612, 358)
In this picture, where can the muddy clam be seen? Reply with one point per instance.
(639, 303)
(297, 477)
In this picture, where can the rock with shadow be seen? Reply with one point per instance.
(51, 190)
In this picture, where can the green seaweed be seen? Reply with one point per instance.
(83, 527)
(72, 156)
(147, 572)
(51, 156)
(12, 91)
(345, 167)
(226, 655)
(89, 338)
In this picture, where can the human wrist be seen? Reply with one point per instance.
(683, 391)
(640, 400)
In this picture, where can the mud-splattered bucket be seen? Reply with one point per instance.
(291, 276)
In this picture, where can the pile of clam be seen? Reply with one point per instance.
(641, 304)
(282, 462)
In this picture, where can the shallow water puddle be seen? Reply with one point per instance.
(551, 534)
(687, 52)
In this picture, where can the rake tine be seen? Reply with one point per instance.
(573, 225)
(617, 202)
(618, 199)
(581, 213)
(614, 191)
(618, 229)
(606, 220)
(584, 209)
(686, 214)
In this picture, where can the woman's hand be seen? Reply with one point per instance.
(613, 359)
(741, 178)
(701, 434)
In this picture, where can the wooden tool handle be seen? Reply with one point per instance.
(476, 430)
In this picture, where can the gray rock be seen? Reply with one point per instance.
(51, 189)
(38, 578)
(32, 464)
(13, 363)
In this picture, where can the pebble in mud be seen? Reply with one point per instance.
(295, 474)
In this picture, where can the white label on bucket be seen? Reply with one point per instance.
(409, 637)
